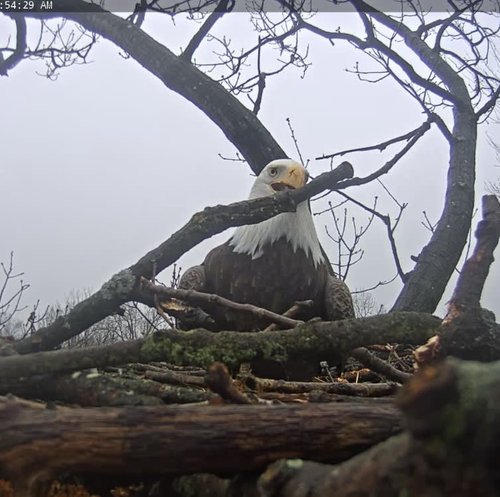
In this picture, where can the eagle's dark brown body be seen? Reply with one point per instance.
(274, 281)
(272, 265)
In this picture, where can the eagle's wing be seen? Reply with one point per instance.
(194, 279)
(338, 300)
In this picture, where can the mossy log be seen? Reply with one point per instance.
(313, 342)
(93, 389)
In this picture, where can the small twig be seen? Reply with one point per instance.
(388, 165)
(176, 276)
(394, 354)
(238, 158)
(261, 85)
(195, 297)
(294, 138)
(380, 283)
(220, 382)
(161, 367)
(380, 366)
(427, 223)
(389, 228)
(292, 312)
(352, 254)
(135, 306)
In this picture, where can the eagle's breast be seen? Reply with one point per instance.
(280, 276)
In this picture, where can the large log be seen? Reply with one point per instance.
(451, 449)
(40, 443)
(312, 342)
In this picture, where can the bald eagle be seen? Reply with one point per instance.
(272, 264)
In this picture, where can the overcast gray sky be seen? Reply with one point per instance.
(105, 163)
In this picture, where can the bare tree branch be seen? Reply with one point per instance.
(382, 146)
(123, 286)
(195, 297)
(377, 365)
(222, 8)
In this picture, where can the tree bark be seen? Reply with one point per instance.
(437, 260)
(312, 342)
(92, 389)
(38, 444)
(468, 331)
(452, 448)
(354, 389)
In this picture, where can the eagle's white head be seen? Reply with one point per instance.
(296, 227)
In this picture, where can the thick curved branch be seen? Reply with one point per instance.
(18, 54)
(122, 287)
(239, 124)
(313, 342)
(440, 256)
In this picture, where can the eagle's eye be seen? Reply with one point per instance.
(273, 171)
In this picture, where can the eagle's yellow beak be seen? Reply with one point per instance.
(293, 177)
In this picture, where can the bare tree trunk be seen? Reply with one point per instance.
(437, 260)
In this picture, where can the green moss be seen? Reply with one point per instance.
(203, 348)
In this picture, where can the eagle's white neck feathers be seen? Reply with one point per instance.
(296, 227)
